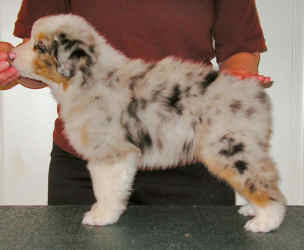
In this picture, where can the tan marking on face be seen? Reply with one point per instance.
(44, 65)
(41, 36)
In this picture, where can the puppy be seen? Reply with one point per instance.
(121, 114)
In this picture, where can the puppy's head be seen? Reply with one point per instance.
(62, 48)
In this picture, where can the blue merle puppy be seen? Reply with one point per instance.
(123, 114)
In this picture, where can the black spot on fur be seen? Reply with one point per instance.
(110, 74)
(143, 103)
(231, 148)
(138, 76)
(174, 98)
(194, 125)
(86, 73)
(97, 98)
(129, 136)
(134, 79)
(250, 112)
(189, 74)
(92, 49)
(54, 49)
(241, 166)
(69, 44)
(85, 70)
(47, 63)
(132, 85)
(261, 96)
(151, 66)
(136, 133)
(238, 148)
(159, 144)
(252, 188)
(187, 147)
(142, 139)
(79, 53)
(187, 92)
(132, 108)
(157, 93)
(250, 185)
(80, 58)
(272, 199)
(40, 47)
(62, 36)
(235, 106)
(210, 78)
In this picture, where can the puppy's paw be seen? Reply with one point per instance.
(247, 210)
(267, 219)
(101, 216)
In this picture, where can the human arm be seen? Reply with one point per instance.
(239, 39)
(245, 65)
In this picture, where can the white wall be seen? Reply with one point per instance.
(284, 63)
(26, 116)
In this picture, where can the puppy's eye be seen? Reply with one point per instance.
(40, 46)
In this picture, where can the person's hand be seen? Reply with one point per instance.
(8, 74)
(265, 81)
(245, 65)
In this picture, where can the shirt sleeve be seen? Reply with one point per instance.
(31, 10)
(237, 28)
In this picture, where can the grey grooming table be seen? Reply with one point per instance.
(144, 228)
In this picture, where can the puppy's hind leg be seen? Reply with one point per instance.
(265, 198)
(241, 160)
(112, 182)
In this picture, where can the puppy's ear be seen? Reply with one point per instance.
(73, 57)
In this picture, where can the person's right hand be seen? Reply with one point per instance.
(8, 74)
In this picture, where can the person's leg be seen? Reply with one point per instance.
(186, 185)
(70, 183)
(69, 180)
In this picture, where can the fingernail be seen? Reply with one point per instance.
(12, 55)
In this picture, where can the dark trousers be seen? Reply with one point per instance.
(69, 183)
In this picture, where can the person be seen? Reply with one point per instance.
(198, 30)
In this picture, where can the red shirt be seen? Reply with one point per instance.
(154, 29)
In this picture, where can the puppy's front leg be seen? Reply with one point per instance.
(112, 184)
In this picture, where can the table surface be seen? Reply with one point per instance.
(144, 228)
